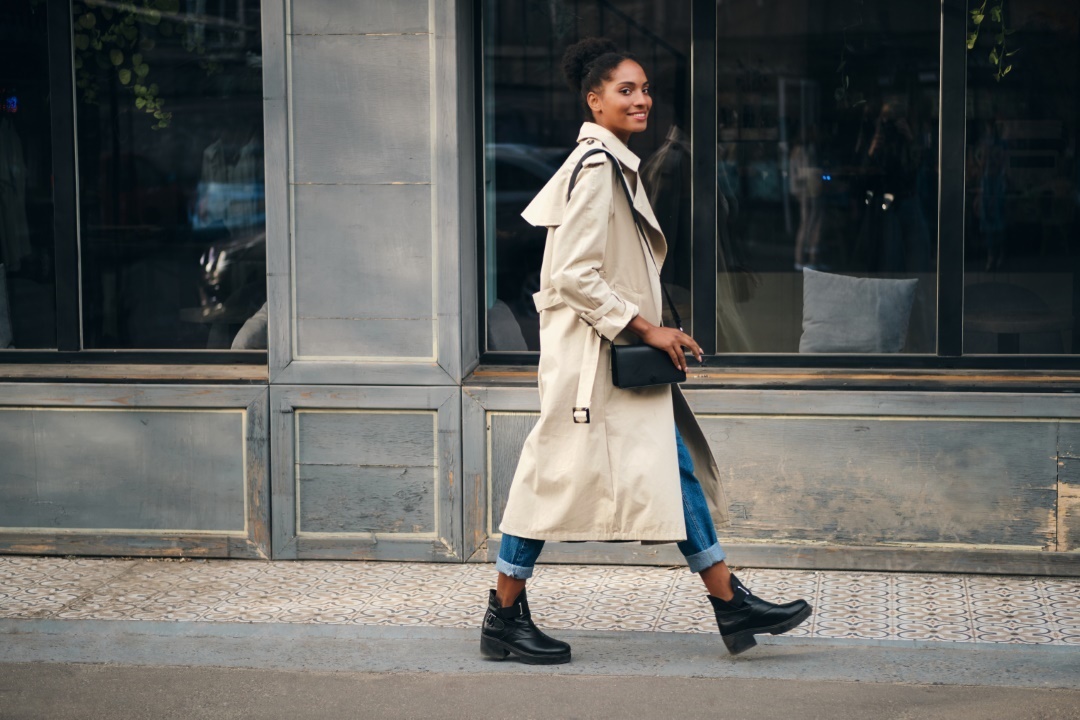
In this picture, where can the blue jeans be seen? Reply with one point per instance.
(517, 556)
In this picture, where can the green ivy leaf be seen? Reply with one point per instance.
(116, 56)
(977, 17)
(125, 76)
(136, 59)
(142, 70)
(995, 14)
(994, 59)
(972, 37)
(82, 41)
(140, 103)
(87, 20)
(1008, 69)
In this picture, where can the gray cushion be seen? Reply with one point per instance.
(854, 315)
(252, 334)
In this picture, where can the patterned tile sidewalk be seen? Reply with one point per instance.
(857, 605)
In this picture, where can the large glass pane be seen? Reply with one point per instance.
(171, 198)
(1022, 234)
(27, 279)
(827, 199)
(531, 121)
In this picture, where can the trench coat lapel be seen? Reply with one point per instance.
(630, 162)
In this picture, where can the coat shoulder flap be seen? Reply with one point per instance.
(547, 208)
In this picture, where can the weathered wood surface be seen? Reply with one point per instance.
(116, 470)
(1068, 500)
(339, 17)
(856, 482)
(361, 109)
(475, 473)
(363, 271)
(366, 439)
(165, 470)
(371, 463)
(94, 395)
(376, 372)
(366, 472)
(868, 480)
(351, 499)
(130, 373)
(507, 437)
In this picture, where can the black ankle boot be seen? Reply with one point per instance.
(745, 615)
(510, 631)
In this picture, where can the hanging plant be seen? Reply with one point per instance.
(115, 37)
(984, 18)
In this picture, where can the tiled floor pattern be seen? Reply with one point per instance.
(873, 606)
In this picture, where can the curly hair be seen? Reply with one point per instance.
(588, 63)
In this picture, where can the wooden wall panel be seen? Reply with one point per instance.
(361, 107)
(357, 499)
(882, 480)
(363, 271)
(366, 472)
(507, 433)
(122, 470)
(359, 16)
(1068, 499)
(105, 469)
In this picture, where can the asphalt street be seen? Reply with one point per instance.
(55, 670)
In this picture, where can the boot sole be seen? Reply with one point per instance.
(740, 642)
(493, 649)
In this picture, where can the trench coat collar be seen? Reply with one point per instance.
(597, 132)
(547, 208)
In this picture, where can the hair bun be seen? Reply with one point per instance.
(577, 57)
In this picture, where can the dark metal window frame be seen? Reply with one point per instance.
(66, 229)
(950, 224)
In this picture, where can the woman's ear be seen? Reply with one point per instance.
(593, 100)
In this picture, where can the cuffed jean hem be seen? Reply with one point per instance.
(515, 571)
(706, 558)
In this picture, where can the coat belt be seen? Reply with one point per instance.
(589, 360)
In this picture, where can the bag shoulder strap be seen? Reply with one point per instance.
(637, 221)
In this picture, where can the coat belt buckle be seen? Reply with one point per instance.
(581, 415)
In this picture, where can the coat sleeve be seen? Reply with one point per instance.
(578, 253)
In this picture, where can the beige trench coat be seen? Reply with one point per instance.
(617, 476)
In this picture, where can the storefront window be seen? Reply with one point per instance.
(827, 176)
(530, 125)
(170, 169)
(1022, 254)
(27, 255)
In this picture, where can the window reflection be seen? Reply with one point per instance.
(531, 124)
(827, 151)
(27, 280)
(1022, 269)
(171, 173)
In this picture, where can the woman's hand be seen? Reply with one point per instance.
(669, 340)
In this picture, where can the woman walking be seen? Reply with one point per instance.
(605, 463)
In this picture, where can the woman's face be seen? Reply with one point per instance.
(623, 102)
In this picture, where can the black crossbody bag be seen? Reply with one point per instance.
(640, 365)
